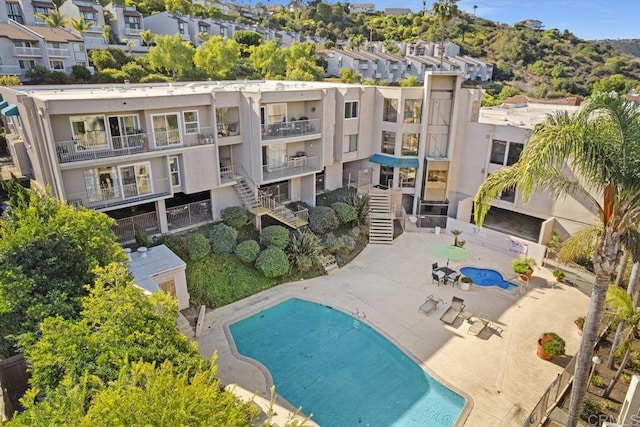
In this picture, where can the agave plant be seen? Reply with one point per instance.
(361, 204)
(304, 249)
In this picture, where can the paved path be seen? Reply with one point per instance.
(499, 372)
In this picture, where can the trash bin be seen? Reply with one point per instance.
(437, 230)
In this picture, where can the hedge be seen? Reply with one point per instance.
(247, 251)
(274, 235)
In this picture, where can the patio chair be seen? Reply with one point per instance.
(431, 304)
(453, 279)
(454, 310)
(434, 266)
(478, 326)
(437, 277)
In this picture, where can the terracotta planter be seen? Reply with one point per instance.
(540, 350)
(526, 277)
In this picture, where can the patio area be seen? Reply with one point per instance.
(498, 372)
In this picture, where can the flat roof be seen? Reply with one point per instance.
(158, 259)
(526, 116)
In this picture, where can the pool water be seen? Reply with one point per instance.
(487, 277)
(342, 371)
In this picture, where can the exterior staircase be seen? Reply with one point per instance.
(380, 218)
(263, 204)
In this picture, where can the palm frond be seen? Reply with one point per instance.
(620, 303)
(491, 188)
(580, 243)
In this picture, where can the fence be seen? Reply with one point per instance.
(551, 396)
(147, 223)
(574, 274)
(189, 214)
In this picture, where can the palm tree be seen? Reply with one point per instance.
(599, 144)
(444, 11)
(625, 311)
(632, 292)
(106, 32)
(80, 25)
(147, 37)
(54, 19)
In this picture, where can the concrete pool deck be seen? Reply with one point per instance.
(499, 373)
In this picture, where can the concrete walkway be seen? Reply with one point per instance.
(498, 372)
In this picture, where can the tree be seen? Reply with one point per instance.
(80, 25)
(409, 81)
(247, 38)
(102, 59)
(615, 83)
(300, 58)
(218, 57)
(180, 6)
(54, 19)
(117, 323)
(171, 54)
(597, 143)
(48, 252)
(269, 60)
(147, 37)
(106, 32)
(347, 75)
(444, 11)
(632, 292)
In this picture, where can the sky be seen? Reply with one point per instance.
(587, 19)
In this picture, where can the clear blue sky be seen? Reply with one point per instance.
(587, 19)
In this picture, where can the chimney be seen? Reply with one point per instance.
(142, 251)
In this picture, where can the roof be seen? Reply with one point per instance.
(522, 99)
(352, 54)
(525, 116)
(54, 34)
(159, 259)
(395, 162)
(14, 33)
(48, 4)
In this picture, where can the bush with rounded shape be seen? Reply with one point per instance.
(553, 344)
(235, 216)
(345, 213)
(523, 266)
(273, 262)
(199, 246)
(178, 245)
(322, 219)
(247, 251)
(223, 239)
(274, 235)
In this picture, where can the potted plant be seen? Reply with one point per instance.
(550, 345)
(465, 283)
(524, 267)
(580, 324)
(558, 274)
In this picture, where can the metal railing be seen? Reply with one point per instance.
(293, 166)
(132, 31)
(189, 214)
(227, 173)
(431, 221)
(120, 194)
(574, 274)
(61, 53)
(147, 223)
(28, 51)
(228, 129)
(551, 395)
(102, 146)
(290, 129)
(293, 217)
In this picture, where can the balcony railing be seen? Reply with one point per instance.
(124, 228)
(120, 195)
(228, 128)
(189, 214)
(290, 129)
(227, 174)
(132, 31)
(294, 166)
(102, 146)
(60, 53)
(28, 51)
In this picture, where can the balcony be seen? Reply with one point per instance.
(121, 195)
(58, 53)
(132, 31)
(228, 129)
(28, 51)
(294, 166)
(363, 66)
(290, 129)
(101, 146)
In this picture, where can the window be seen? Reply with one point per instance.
(388, 142)
(508, 195)
(407, 177)
(498, 149)
(350, 143)
(228, 121)
(39, 10)
(412, 110)
(125, 132)
(410, 143)
(135, 179)
(108, 183)
(89, 132)
(390, 110)
(132, 22)
(203, 29)
(26, 64)
(279, 191)
(514, 152)
(351, 110)
(89, 17)
(190, 119)
(56, 64)
(14, 12)
(174, 170)
(166, 129)
(436, 186)
(181, 27)
(386, 176)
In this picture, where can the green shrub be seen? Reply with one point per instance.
(590, 409)
(338, 195)
(155, 78)
(523, 265)
(355, 232)
(346, 244)
(235, 216)
(345, 213)
(247, 251)
(80, 73)
(134, 72)
(273, 262)
(141, 238)
(555, 346)
(331, 243)
(322, 219)
(597, 381)
(199, 246)
(110, 75)
(360, 203)
(626, 378)
(178, 245)
(55, 78)
(274, 235)
(304, 250)
(223, 239)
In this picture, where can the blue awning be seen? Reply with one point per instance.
(3, 104)
(395, 162)
(11, 110)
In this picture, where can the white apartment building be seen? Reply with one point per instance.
(91, 13)
(126, 23)
(169, 156)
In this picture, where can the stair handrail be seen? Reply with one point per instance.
(245, 174)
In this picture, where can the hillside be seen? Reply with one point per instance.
(626, 46)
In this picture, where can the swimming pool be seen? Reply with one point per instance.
(487, 277)
(341, 370)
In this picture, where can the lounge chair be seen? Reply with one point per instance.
(478, 326)
(454, 310)
(431, 304)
